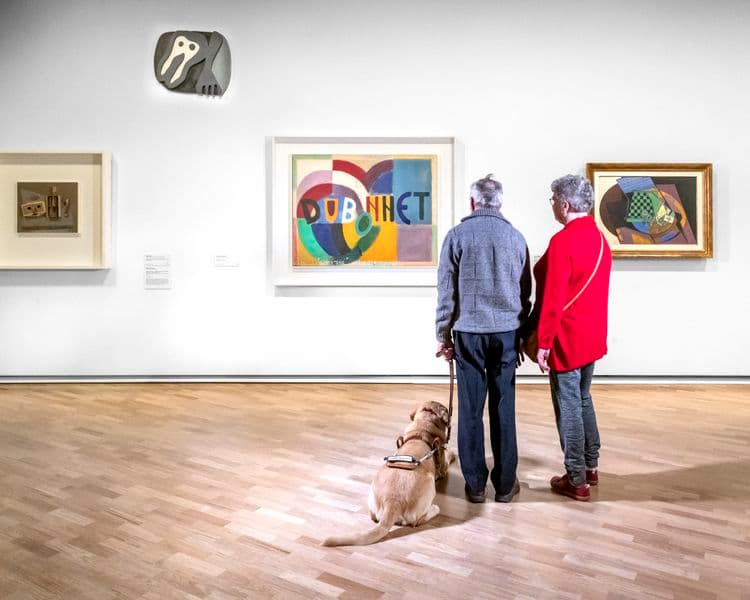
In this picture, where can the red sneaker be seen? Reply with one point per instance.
(561, 485)
(592, 476)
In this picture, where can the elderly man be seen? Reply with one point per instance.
(484, 285)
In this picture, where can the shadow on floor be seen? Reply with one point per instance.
(706, 483)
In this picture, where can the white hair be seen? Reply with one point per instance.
(487, 192)
(576, 191)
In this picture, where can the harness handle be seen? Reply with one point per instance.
(406, 461)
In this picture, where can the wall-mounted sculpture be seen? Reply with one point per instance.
(195, 62)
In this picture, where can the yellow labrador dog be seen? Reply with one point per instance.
(400, 496)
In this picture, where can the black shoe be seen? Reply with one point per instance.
(509, 496)
(472, 496)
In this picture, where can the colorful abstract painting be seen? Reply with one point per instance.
(654, 209)
(366, 210)
(649, 210)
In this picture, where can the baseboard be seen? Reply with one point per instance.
(385, 379)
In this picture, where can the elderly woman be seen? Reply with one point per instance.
(571, 305)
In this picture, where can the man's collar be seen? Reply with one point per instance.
(485, 212)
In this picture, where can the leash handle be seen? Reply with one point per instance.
(450, 401)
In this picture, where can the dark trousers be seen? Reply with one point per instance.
(576, 420)
(487, 362)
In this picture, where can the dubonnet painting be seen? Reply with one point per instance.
(363, 210)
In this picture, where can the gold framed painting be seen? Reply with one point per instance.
(654, 209)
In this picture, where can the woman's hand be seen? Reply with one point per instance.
(541, 359)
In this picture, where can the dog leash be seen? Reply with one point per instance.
(450, 402)
(406, 461)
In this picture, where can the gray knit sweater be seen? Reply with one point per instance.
(484, 277)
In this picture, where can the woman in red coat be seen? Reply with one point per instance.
(571, 303)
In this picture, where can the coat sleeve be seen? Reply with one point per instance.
(556, 282)
(447, 289)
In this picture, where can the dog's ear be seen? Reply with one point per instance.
(445, 415)
(413, 413)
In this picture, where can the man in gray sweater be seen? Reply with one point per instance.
(484, 289)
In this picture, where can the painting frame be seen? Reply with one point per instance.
(684, 227)
(281, 198)
(87, 248)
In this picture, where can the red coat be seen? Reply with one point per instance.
(578, 335)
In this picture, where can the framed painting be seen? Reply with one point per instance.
(47, 206)
(654, 209)
(55, 210)
(360, 211)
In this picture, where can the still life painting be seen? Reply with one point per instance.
(654, 209)
(47, 206)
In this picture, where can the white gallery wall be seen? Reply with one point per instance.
(530, 91)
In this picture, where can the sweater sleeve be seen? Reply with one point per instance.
(447, 289)
(526, 288)
(556, 283)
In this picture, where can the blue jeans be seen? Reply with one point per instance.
(487, 361)
(576, 420)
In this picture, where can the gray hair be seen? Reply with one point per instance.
(487, 192)
(576, 191)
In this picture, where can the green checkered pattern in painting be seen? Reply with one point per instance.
(643, 206)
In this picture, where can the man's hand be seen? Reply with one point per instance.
(445, 349)
(541, 359)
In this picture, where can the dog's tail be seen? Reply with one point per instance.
(368, 537)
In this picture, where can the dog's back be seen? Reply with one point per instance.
(405, 496)
(397, 496)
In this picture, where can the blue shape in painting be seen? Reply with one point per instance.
(324, 234)
(414, 175)
(383, 184)
(635, 184)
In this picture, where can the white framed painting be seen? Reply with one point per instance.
(360, 211)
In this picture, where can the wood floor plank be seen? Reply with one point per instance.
(224, 491)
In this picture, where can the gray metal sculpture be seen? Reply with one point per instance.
(195, 62)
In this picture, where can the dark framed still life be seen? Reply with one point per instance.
(654, 209)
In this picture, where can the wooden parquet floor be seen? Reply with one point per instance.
(224, 491)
